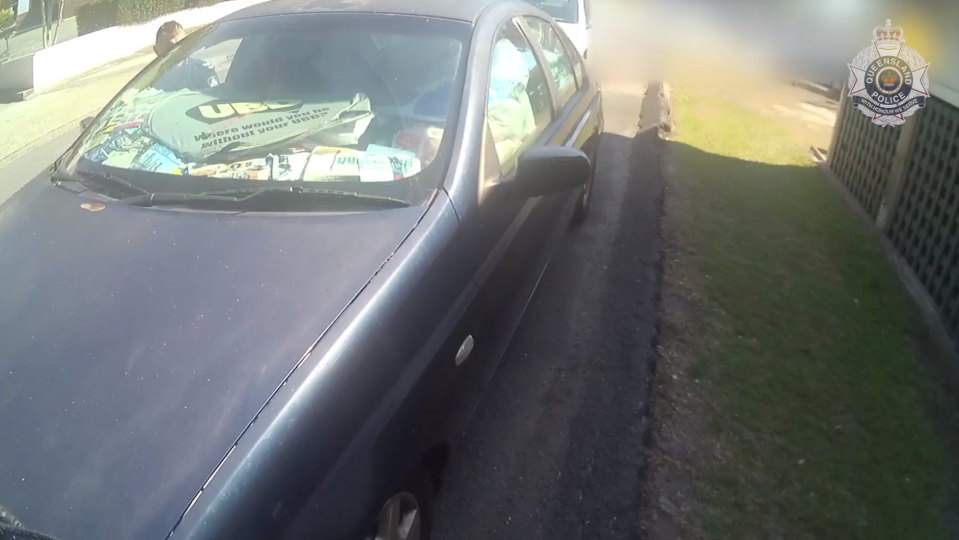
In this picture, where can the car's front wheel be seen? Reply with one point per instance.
(407, 515)
(582, 205)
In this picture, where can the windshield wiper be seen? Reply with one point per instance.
(244, 195)
(59, 176)
(147, 200)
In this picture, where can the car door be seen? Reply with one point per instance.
(509, 240)
(524, 232)
(519, 112)
(528, 231)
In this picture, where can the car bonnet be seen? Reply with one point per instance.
(137, 344)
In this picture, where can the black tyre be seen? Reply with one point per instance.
(586, 197)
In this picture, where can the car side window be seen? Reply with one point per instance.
(577, 61)
(518, 105)
(560, 66)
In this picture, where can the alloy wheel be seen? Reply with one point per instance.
(399, 519)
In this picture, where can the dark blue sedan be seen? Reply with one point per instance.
(263, 305)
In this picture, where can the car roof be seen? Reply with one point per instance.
(463, 10)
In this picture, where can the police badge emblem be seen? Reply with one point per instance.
(888, 81)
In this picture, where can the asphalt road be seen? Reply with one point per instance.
(556, 448)
(23, 169)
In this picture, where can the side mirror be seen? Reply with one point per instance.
(544, 170)
(85, 123)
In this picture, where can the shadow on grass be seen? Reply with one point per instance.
(830, 416)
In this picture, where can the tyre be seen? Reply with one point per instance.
(586, 197)
(407, 515)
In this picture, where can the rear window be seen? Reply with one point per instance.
(358, 99)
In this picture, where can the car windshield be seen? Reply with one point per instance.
(564, 11)
(357, 102)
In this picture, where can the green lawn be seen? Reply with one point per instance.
(821, 403)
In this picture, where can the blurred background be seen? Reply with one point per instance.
(796, 40)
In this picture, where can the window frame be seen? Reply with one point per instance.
(544, 63)
(577, 59)
(508, 167)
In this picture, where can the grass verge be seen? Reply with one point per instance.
(818, 404)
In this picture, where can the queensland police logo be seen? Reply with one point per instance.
(887, 80)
